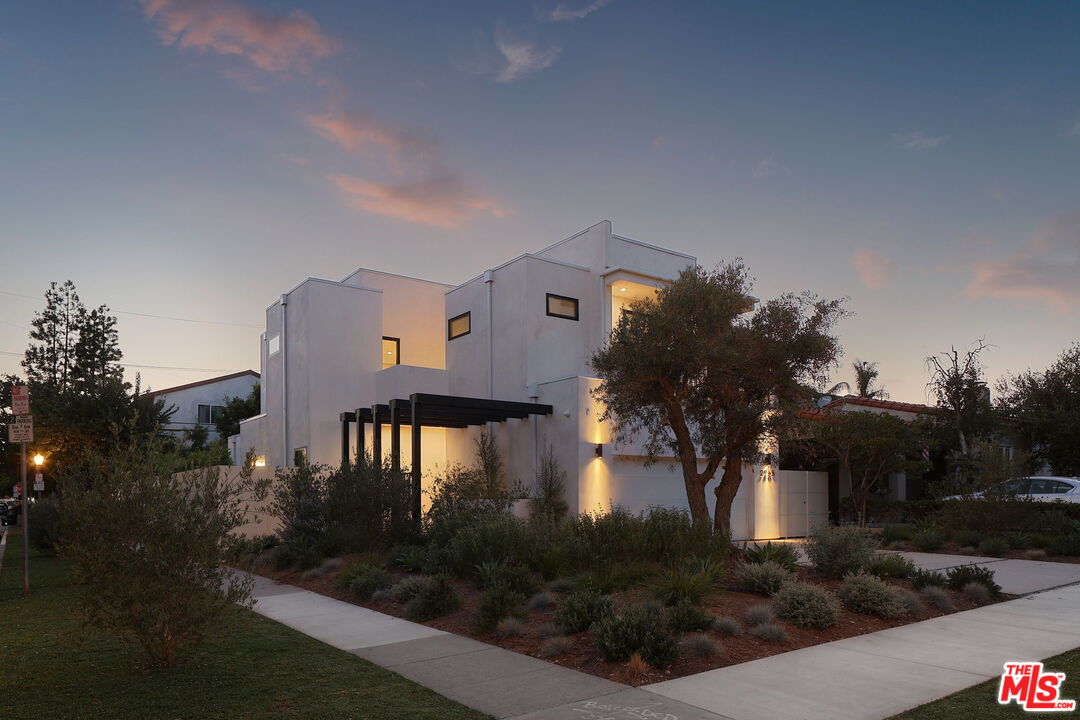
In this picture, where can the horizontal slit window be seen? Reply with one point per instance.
(561, 306)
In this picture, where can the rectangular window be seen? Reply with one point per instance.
(209, 414)
(458, 326)
(391, 352)
(273, 345)
(299, 456)
(562, 307)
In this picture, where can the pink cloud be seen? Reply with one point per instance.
(273, 43)
(1046, 270)
(875, 270)
(358, 132)
(444, 201)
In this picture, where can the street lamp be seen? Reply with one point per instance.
(39, 460)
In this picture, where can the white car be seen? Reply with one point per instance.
(1042, 488)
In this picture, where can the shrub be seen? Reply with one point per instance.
(500, 538)
(769, 632)
(609, 579)
(684, 617)
(369, 579)
(383, 595)
(837, 551)
(579, 610)
(313, 573)
(350, 572)
(967, 538)
(913, 603)
(928, 540)
(896, 533)
(727, 626)
(782, 554)
(1018, 540)
(547, 502)
(146, 547)
(926, 578)
(1065, 545)
(510, 627)
(763, 578)
(700, 646)
(435, 598)
(299, 553)
(496, 603)
(515, 577)
(870, 595)
(562, 585)
(956, 578)
(891, 565)
(759, 614)
(408, 588)
(806, 605)
(636, 630)
(680, 584)
(977, 593)
(555, 646)
(995, 547)
(549, 629)
(45, 523)
(937, 597)
(539, 601)
(1035, 554)
(410, 558)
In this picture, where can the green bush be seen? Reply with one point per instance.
(681, 584)
(1018, 540)
(408, 588)
(435, 598)
(928, 540)
(410, 558)
(967, 538)
(891, 565)
(496, 538)
(913, 603)
(837, 551)
(1068, 545)
(45, 523)
(977, 593)
(896, 533)
(937, 597)
(806, 605)
(781, 554)
(995, 547)
(956, 578)
(496, 603)
(363, 580)
(580, 609)
(684, 617)
(300, 553)
(639, 630)
(763, 578)
(870, 595)
(516, 577)
(927, 578)
(613, 578)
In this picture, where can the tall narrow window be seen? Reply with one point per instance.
(391, 352)
(273, 344)
(458, 326)
(299, 456)
(561, 306)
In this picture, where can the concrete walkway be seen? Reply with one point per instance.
(1016, 577)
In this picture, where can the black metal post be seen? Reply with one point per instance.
(360, 443)
(344, 440)
(376, 436)
(416, 460)
(395, 436)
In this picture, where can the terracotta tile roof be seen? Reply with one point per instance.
(208, 381)
(883, 404)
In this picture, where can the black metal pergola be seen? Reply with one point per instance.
(422, 410)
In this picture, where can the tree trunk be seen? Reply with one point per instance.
(725, 495)
(695, 497)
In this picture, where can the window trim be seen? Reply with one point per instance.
(450, 323)
(209, 413)
(577, 307)
(397, 349)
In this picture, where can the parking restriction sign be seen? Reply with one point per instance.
(20, 400)
(21, 429)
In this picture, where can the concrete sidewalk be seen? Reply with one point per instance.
(1016, 577)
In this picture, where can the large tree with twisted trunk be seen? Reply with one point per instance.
(703, 372)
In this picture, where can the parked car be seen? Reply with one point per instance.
(1041, 488)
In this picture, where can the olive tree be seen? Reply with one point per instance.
(147, 547)
(703, 371)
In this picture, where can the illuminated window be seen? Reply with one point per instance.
(260, 461)
(562, 307)
(458, 326)
(273, 345)
(391, 352)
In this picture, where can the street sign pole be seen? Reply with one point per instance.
(25, 528)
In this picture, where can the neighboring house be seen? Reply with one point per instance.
(199, 402)
(346, 363)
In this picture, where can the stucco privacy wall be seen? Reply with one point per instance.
(258, 519)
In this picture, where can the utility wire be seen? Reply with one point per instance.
(149, 315)
(146, 367)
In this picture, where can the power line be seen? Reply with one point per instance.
(150, 315)
(146, 367)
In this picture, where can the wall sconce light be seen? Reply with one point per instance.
(599, 450)
(767, 473)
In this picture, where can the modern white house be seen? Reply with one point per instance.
(199, 402)
(398, 366)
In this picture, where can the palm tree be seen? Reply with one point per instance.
(866, 374)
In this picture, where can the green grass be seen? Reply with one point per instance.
(51, 667)
(981, 701)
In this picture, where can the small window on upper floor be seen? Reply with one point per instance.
(459, 325)
(209, 414)
(299, 456)
(561, 306)
(391, 352)
(273, 344)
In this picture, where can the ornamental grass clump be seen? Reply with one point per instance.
(759, 615)
(727, 626)
(939, 598)
(977, 593)
(769, 632)
(700, 646)
(637, 630)
(436, 597)
(763, 578)
(782, 554)
(806, 605)
(870, 595)
(956, 578)
(497, 603)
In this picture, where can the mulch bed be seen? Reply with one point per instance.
(585, 657)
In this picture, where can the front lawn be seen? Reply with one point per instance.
(257, 668)
(981, 701)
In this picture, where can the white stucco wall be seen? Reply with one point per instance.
(187, 400)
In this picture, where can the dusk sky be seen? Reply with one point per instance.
(195, 158)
